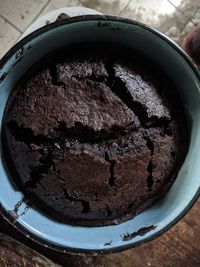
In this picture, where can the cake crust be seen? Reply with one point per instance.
(94, 140)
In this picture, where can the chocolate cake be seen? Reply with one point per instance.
(94, 138)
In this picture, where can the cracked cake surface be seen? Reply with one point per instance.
(94, 138)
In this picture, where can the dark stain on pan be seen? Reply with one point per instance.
(19, 53)
(108, 243)
(15, 212)
(18, 205)
(103, 24)
(26, 208)
(17, 61)
(18, 57)
(142, 231)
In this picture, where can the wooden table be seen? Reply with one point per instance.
(179, 247)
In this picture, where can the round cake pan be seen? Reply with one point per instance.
(160, 217)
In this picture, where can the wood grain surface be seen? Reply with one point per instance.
(179, 247)
(16, 254)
